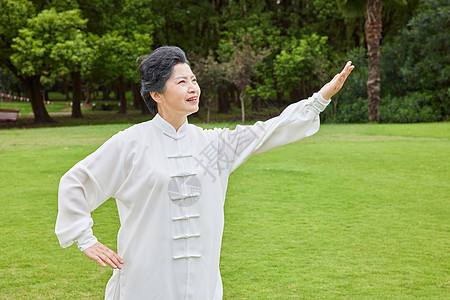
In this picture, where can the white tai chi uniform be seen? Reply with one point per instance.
(170, 190)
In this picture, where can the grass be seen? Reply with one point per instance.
(354, 212)
(60, 111)
(26, 110)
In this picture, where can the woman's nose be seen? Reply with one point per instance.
(192, 87)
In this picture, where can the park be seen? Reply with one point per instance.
(359, 210)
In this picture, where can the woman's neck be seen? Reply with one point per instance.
(175, 121)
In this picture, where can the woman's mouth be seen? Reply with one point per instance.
(193, 99)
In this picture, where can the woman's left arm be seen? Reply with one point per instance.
(297, 121)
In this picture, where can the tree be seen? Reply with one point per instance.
(373, 27)
(51, 41)
(372, 32)
(14, 16)
(211, 76)
(71, 54)
(139, 29)
(241, 67)
(120, 34)
(115, 61)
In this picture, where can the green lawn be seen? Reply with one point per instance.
(26, 109)
(51, 107)
(354, 212)
(61, 113)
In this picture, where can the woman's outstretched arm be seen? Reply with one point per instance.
(297, 121)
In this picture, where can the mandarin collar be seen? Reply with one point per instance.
(168, 129)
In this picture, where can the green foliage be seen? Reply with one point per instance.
(190, 24)
(110, 48)
(52, 40)
(412, 108)
(116, 55)
(7, 81)
(302, 61)
(302, 42)
(419, 58)
(13, 16)
(415, 74)
(119, 37)
(259, 26)
(103, 15)
(352, 8)
(417, 61)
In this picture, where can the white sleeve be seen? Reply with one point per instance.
(297, 121)
(86, 186)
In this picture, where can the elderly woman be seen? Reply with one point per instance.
(169, 179)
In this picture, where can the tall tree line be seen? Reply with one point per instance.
(298, 45)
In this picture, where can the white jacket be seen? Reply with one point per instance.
(170, 190)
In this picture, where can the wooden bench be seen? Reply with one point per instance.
(9, 114)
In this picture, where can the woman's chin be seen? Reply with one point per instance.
(193, 110)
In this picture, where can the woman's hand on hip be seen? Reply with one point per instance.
(102, 254)
(332, 87)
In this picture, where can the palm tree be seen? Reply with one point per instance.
(372, 32)
(372, 28)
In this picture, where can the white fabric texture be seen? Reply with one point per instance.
(170, 190)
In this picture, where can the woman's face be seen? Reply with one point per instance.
(182, 93)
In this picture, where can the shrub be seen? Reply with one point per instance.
(416, 65)
(412, 108)
(105, 106)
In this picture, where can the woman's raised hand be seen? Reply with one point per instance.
(332, 87)
(102, 254)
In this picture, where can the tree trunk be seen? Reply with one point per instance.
(105, 91)
(279, 99)
(121, 95)
(242, 99)
(88, 96)
(373, 28)
(223, 99)
(335, 103)
(18, 89)
(136, 95)
(76, 94)
(208, 111)
(256, 104)
(33, 91)
(295, 95)
(66, 89)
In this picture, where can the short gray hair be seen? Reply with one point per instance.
(156, 69)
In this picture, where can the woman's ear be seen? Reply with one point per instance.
(156, 96)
